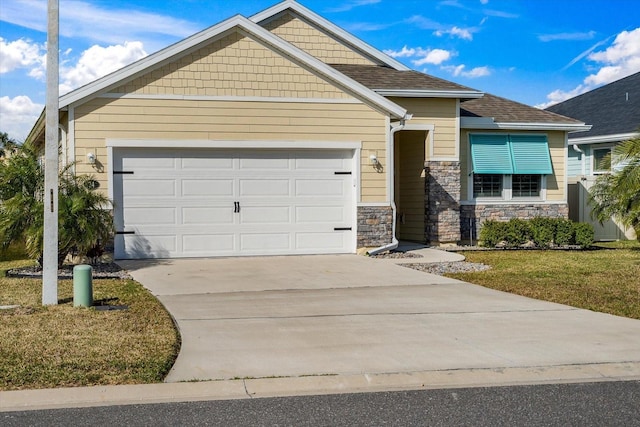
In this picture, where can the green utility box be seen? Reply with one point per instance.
(82, 286)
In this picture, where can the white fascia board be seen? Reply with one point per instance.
(603, 138)
(331, 28)
(408, 93)
(489, 123)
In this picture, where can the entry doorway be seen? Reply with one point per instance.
(410, 185)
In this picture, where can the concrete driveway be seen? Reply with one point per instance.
(345, 315)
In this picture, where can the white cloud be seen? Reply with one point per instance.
(567, 36)
(619, 60)
(463, 33)
(86, 20)
(484, 1)
(459, 71)
(434, 56)
(20, 54)
(18, 115)
(98, 61)
(421, 56)
(352, 4)
(405, 52)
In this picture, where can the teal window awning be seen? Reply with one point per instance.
(510, 154)
(531, 154)
(491, 154)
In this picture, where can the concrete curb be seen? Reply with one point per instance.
(23, 400)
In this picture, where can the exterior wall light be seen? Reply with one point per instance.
(91, 158)
(374, 159)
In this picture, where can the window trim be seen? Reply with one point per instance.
(507, 190)
(593, 158)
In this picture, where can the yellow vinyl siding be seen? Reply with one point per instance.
(555, 182)
(442, 114)
(158, 119)
(233, 66)
(316, 43)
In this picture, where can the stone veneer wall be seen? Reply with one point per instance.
(473, 216)
(375, 226)
(443, 201)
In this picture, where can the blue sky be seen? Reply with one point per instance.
(533, 51)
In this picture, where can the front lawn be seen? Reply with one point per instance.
(63, 346)
(606, 280)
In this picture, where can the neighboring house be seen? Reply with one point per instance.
(614, 113)
(284, 134)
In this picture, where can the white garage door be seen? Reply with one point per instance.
(205, 202)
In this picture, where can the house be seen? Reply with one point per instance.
(284, 134)
(613, 111)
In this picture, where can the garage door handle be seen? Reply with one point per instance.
(236, 207)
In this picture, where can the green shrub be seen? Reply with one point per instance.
(492, 233)
(542, 231)
(518, 232)
(584, 234)
(564, 233)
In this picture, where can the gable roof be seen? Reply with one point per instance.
(256, 32)
(494, 112)
(613, 109)
(392, 82)
(342, 36)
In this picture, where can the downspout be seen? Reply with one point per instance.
(391, 183)
(582, 157)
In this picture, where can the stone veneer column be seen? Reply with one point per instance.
(375, 226)
(443, 201)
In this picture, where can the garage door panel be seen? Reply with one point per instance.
(150, 216)
(265, 242)
(321, 214)
(207, 215)
(264, 187)
(207, 187)
(149, 187)
(317, 187)
(332, 241)
(207, 163)
(212, 244)
(265, 215)
(199, 202)
(272, 161)
(150, 246)
(152, 163)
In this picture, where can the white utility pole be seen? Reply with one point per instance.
(50, 244)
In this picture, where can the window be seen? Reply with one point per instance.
(601, 160)
(509, 166)
(525, 185)
(487, 185)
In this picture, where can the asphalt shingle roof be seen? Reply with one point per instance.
(611, 109)
(506, 111)
(380, 77)
(501, 109)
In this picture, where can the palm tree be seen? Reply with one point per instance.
(7, 145)
(617, 195)
(84, 219)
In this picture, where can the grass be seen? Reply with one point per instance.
(64, 346)
(605, 280)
